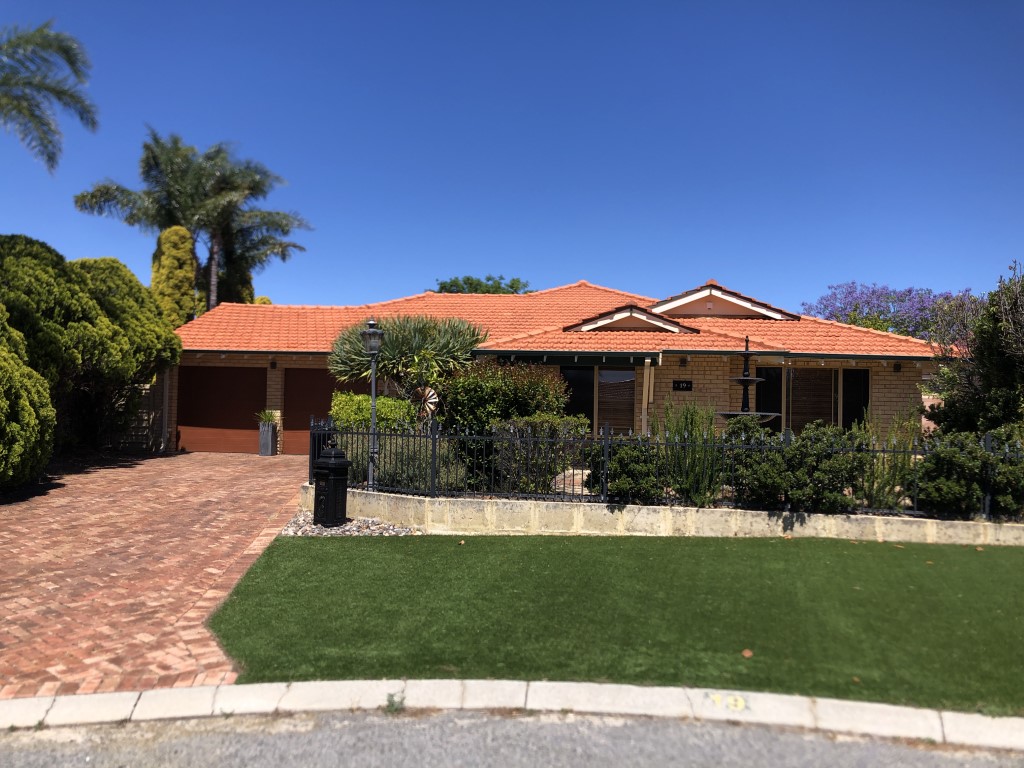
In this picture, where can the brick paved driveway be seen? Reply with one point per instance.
(106, 579)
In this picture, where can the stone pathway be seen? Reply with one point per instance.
(107, 577)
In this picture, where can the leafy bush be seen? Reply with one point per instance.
(889, 461)
(352, 410)
(1008, 472)
(957, 471)
(529, 452)
(635, 471)
(756, 467)
(951, 477)
(27, 420)
(404, 459)
(693, 452)
(486, 393)
(90, 328)
(824, 465)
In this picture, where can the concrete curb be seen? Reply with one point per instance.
(703, 704)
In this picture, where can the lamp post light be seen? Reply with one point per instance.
(372, 337)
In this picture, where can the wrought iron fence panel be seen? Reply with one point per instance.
(708, 471)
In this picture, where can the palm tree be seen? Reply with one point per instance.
(415, 351)
(39, 70)
(211, 194)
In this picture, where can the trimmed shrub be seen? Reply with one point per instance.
(351, 410)
(957, 471)
(635, 471)
(756, 468)
(27, 421)
(173, 281)
(824, 465)
(1008, 473)
(951, 477)
(486, 393)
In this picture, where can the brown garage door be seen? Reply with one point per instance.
(217, 407)
(307, 392)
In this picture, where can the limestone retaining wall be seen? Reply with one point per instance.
(467, 517)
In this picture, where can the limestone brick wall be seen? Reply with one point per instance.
(891, 392)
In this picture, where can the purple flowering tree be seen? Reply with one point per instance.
(907, 311)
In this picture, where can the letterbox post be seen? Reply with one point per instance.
(330, 486)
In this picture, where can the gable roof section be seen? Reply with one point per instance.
(629, 318)
(713, 296)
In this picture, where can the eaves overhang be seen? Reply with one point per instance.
(565, 357)
(191, 351)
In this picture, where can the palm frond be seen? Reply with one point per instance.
(41, 70)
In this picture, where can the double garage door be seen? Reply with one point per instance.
(217, 407)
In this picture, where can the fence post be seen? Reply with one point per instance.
(312, 424)
(433, 457)
(986, 500)
(606, 457)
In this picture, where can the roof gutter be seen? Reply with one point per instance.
(562, 354)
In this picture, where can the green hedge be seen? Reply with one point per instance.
(353, 411)
(27, 421)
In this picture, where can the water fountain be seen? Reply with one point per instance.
(747, 381)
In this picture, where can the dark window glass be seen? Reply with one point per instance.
(581, 391)
(768, 395)
(856, 388)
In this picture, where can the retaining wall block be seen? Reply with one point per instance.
(512, 516)
(962, 532)
(1006, 534)
(684, 521)
(902, 529)
(715, 523)
(749, 523)
(642, 521)
(306, 494)
(599, 519)
(556, 517)
(469, 515)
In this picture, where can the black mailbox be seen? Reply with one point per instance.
(330, 484)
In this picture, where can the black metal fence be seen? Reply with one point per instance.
(616, 468)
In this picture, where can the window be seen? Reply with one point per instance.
(610, 399)
(832, 395)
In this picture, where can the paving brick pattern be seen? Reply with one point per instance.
(107, 578)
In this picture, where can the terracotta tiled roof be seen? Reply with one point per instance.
(297, 328)
(537, 322)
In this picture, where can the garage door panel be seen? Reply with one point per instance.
(217, 407)
(307, 392)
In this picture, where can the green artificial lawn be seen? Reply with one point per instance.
(923, 625)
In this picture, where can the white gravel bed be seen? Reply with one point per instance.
(302, 525)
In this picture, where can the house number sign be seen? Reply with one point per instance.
(682, 386)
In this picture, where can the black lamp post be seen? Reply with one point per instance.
(372, 338)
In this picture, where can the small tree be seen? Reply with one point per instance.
(174, 276)
(980, 344)
(489, 284)
(907, 311)
(416, 351)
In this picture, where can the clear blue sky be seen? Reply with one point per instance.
(776, 146)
